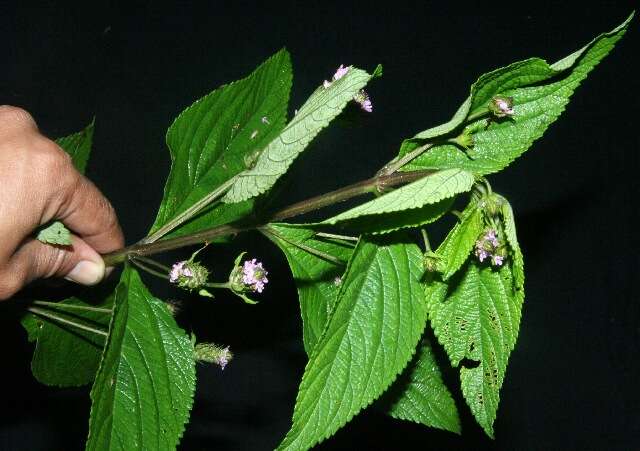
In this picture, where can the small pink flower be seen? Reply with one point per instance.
(363, 99)
(254, 276)
(341, 72)
(178, 270)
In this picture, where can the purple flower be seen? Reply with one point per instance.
(178, 270)
(488, 246)
(223, 358)
(341, 72)
(254, 276)
(188, 274)
(363, 99)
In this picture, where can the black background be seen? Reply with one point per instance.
(572, 380)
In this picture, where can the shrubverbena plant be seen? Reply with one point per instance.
(367, 290)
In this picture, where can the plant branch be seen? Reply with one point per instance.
(373, 184)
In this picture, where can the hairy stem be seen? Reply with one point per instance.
(373, 184)
(60, 319)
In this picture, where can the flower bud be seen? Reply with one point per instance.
(501, 106)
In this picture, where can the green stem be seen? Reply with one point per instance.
(357, 189)
(425, 239)
(51, 316)
(190, 212)
(218, 285)
(72, 306)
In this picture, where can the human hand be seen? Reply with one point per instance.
(39, 184)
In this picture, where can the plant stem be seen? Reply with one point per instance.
(51, 316)
(365, 186)
(72, 307)
(190, 212)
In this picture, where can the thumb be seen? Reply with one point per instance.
(34, 260)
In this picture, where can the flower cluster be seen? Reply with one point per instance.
(488, 246)
(501, 106)
(363, 99)
(341, 72)
(254, 276)
(248, 277)
(188, 274)
(212, 353)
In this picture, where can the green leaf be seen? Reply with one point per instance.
(56, 233)
(428, 190)
(460, 240)
(514, 246)
(144, 388)
(78, 146)
(391, 222)
(214, 139)
(540, 92)
(66, 356)
(320, 109)
(315, 263)
(477, 318)
(371, 335)
(421, 396)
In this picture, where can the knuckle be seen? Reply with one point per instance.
(15, 116)
(9, 284)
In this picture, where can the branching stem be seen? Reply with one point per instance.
(373, 184)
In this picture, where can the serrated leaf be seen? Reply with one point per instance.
(55, 233)
(66, 356)
(457, 246)
(314, 274)
(514, 246)
(214, 139)
(398, 220)
(322, 107)
(428, 190)
(78, 146)
(144, 388)
(421, 396)
(477, 318)
(370, 337)
(540, 92)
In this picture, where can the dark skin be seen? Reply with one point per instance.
(39, 185)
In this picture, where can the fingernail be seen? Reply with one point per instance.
(86, 272)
